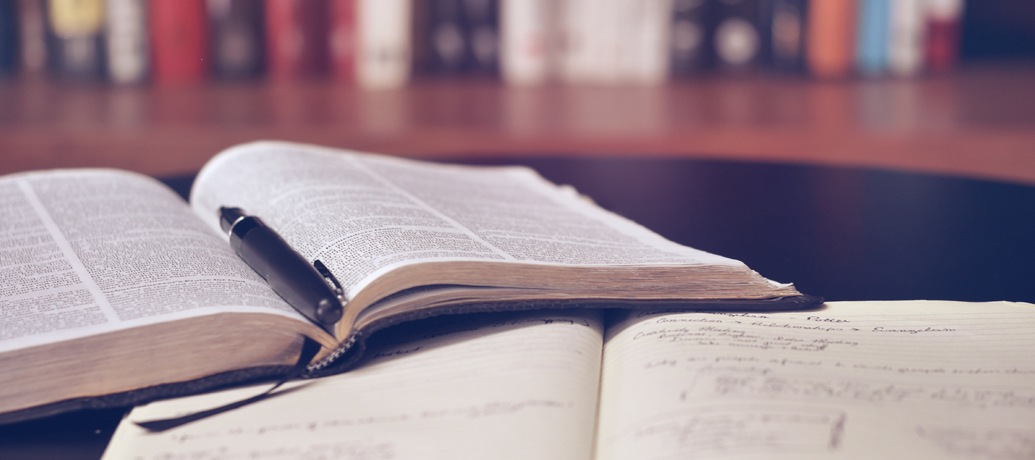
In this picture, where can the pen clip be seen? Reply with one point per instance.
(330, 279)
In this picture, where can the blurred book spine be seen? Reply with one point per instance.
(905, 37)
(482, 25)
(179, 40)
(236, 30)
(463, 37)
(737, 39)
(383, 60)
(784, 32)
(296, 38)
(343, 40)
(831, 37)
(236, 48)
(643, 41)
(871, 44)
(8, 37)
(941, 43)
(126, 37)
(615, 41)
(690, 36)
(380, 43)
(76, 36)
(528, 41)
(32, 34)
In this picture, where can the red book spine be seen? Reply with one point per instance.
(941, 44)
(296, 37)
(179, 40)
(343, 39)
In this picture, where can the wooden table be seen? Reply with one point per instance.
(977, 122)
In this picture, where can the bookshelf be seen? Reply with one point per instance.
(978, 121)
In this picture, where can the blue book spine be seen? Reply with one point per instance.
(871, 45)
(8, 37)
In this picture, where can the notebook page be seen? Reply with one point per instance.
(490, 386)
(855, 380)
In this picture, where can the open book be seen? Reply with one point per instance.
(114, 291)
(853, 380)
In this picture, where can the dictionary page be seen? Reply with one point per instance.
(856, 380)
(500, 386)
(84, 252)
(364, 215)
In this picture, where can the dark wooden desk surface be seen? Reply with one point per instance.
(845, 234)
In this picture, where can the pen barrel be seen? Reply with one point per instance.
(289, 274)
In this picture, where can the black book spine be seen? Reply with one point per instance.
(737, 39)
(464, 36)
(783, 31)
(483, 32)
(690, 47)
(236, 43)
(8, 37)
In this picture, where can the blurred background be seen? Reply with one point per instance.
(159, 86)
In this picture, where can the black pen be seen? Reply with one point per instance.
(310, 289)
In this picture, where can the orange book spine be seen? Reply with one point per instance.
(830, 37)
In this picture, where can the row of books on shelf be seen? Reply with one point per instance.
(381, 43)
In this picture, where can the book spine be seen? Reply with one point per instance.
(642, 41)
(8, 37)
(830, 37)
(126, 37)
(942, 34)
(236, 49)
(737, 38)
(32, 33)
(784, 30)
(526, 41)
(76, 38)
(690, 36)
(384, 43)
(871, 44)
(296, 37)
(481, 20)
(905, 37)
(448, 37)
(343, 39)
(179, 40)
(590, 33)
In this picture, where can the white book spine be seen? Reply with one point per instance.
(384, 43)
(944, 10)
(642, 40)
(906, 35)
(526, 29)
(588, 52)
(126, 36)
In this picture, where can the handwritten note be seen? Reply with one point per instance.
(855, 380)
(490, 386)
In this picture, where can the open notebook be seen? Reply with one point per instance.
(852, 380)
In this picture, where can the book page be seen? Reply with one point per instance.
(501, 386)
(856, 380)
(362, 215)
(89, 251)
